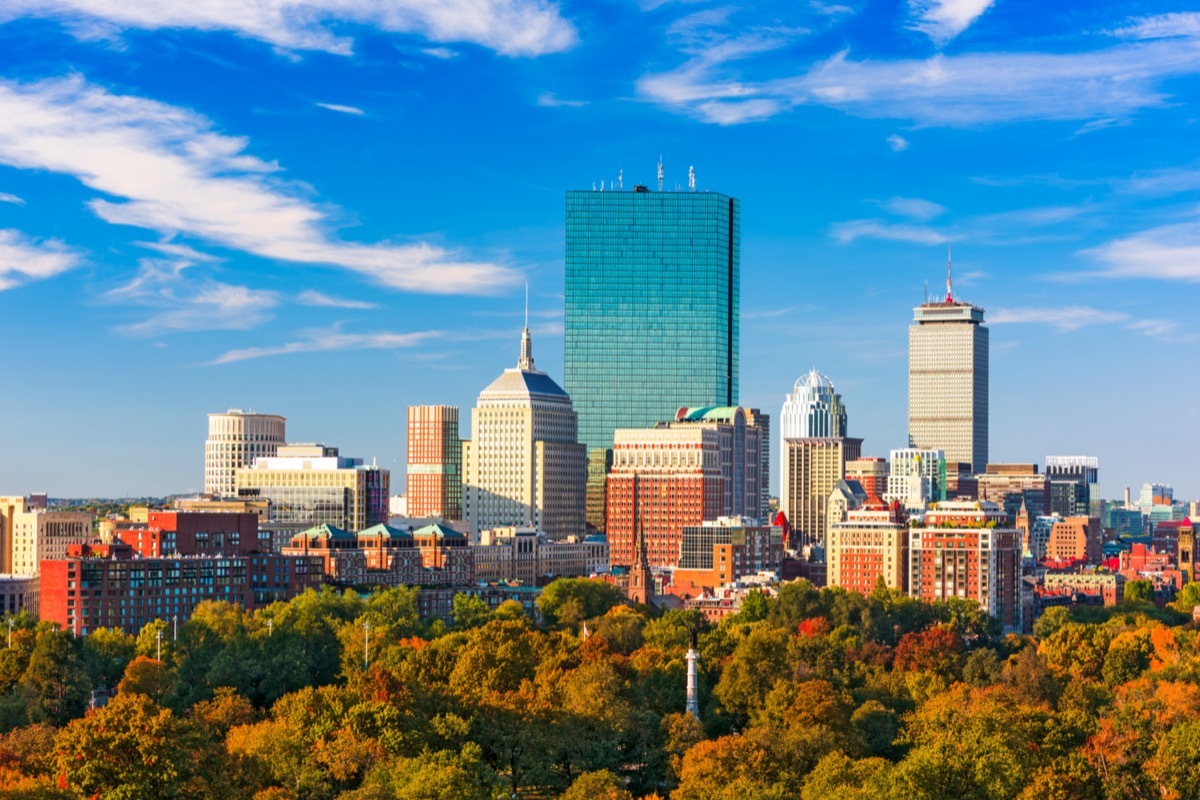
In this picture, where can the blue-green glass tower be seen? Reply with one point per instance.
(652, 306)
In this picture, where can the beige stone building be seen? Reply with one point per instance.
(811, 470)
(33, 535)
(523, 465)
(525, 555)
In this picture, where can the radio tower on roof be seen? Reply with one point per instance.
(949, 292)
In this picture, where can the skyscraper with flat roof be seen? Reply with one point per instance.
(434, 462)
(948, 380)
(652, 306)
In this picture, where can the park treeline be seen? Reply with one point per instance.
(818, 695)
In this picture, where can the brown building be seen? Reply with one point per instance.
(964, 550)
(1076, 539)
(107, 585)
(527, 556)
(870, 544)
(727, 549)
(871, 472)
(385, 556)
(194, 533)
(434, 462)
(1108, 588)
(811, 470)
(1011, 484)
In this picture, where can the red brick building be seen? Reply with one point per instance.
(434, 487)
(194, 533)
(105, 585)
(963, 550)
(1076, 539)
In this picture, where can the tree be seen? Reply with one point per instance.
(441, 775)
(592, 597)
(1176, 765)
(982, 668)
(755, 607)
(1050, 621)
(1139, 591)
(601, 785)
(147, 676)
(838, 777)
(937, 650)
(148, 643)
(759, 661)
(107, 652)
(56, 679)
(132, 748)
(470, 611)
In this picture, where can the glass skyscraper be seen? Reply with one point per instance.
(652, 306)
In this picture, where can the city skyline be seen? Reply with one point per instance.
(168, 241)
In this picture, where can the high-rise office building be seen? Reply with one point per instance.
(916, 477)
(235, 439)
(523, 463)
(811, 470)
(1012, 485)
(434, 463)
(652, 306)
(762, 421)
(813, 410)
(1074, 487)
(948, 380)
(702, 466)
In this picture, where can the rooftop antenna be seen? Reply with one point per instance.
(620, 179)
(526, 304)
(660, 173)
(691, 179)
(949, 292)
(926, 292)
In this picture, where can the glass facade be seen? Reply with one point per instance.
(652, 307)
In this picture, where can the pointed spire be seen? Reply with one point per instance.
(525, 362)
(949, 290)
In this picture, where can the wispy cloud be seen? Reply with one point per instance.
(1168, 252)
(846, 232)
(444, 53)
(358, 112)
(313, 298)
(5, 197)
(897, 142)
(24, 259)
(165, 169)
(182, 303)
(1161, 26)
(1065, 318)
(549, 100)
(914, 208)
(942, 20)
(327, 340)
(1109, 83)
(510, 27)
(768, 313)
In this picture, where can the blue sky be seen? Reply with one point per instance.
(329, 210)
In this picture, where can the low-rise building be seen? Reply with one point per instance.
(1107, 587)
(527, 556)
(19, 592)
(727, 549)
(1076, 539)
(109, 586)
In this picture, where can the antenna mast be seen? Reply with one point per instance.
(949, 291)
(660, 173)
(691, 179)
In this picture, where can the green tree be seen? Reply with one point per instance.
(601, 785)
(1050, 621)
(755, 607)
(592, 598)
(107, 652)
(470, 611)
(56, 679)
(759, 661)
(838, 777)
(147, 676)
(1139, 591)
(1176, 765)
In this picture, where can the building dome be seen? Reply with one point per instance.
(812, 380)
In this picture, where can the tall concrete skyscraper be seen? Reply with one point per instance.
(948, 380)
(434, 486)
(813, 410)
(652, 306)
(523, 463)
(235, 439)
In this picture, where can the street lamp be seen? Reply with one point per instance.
(270, 627)
(10, 624)
(175, 627)
(158, 636)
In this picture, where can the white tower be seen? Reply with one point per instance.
(693, 699)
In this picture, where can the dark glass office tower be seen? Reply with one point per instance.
(652, 306)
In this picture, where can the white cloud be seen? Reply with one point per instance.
(326, 340)
(549, 100)
(847, 232)
(914, 208)
(312, 298)
(444, 53)
(1067, 318)
(5, 197)
(182, 303)
(942, 20)
(1158, 328)
(1162, 26)
(1168, 252)
(165, 169)
(510, 27)
(897, 142)
(24, 259)
(1110, 83)
(358, 112)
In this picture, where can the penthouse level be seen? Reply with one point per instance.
(110, 586)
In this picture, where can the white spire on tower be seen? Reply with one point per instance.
(949, 290)
(526, 361)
